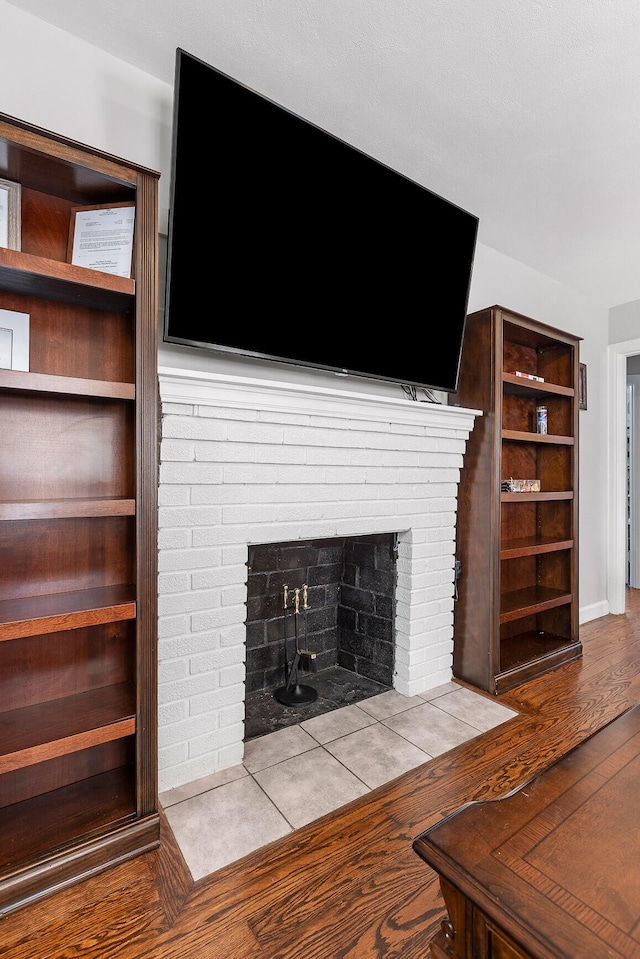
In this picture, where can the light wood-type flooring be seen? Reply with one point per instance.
(349, 885)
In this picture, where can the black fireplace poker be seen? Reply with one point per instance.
(294, 693)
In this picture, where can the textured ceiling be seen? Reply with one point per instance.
(525, 113)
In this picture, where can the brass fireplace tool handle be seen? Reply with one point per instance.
(292, 692)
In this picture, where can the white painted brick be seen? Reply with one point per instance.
(240, 515)
(232, 675)
(349, 474)
(215, 699)
(406, 429)
(188, 688)
(235, 595)
(281, 454)
(173, 756)
(212, 429)
(169, 626)
(402, 459)
(213, 660)
(225, 453)
(177, 450)
(173, 713)
(175, 409)
(409, 657)
(371, 426)
(188, 645)
(188, 602)
(274, 416)
(216, 576)
(301, 475)
(173, 582)
(189, 516)
(235, 555)
(214, 618)
(379, 508)
(187, 731)
(216, 739)
(173, 495)
(249, 473)
(191, 474)
(452, 445)
(225, 413)
(233, 635)
(233, 754)
(173, 539)
(187, 560)
(216, 535)
(251, 434)
(231, 715)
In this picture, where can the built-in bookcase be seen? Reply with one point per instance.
(78, 525)
(516, 615)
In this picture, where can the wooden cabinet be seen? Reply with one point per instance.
(78, 527)
(516, 614)
(550, 870)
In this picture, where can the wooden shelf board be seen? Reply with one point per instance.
(519, 384)
(529, 654)
(542, 497)
(60, 509)
(64, 816)
(33, 734)
(66, 385)
(61, 611)
(24, 273)
(535, 599)
(532, 546)
(552, 439)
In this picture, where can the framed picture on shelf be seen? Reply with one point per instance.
(582, 386)
(10, 220)
(14, 340)
(101, 238)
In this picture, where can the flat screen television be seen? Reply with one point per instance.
(286, 243)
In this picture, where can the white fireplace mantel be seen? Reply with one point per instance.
(239, 392)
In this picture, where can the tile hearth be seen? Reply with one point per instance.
(299, 773)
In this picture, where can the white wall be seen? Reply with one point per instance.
(624, 322)
(51, 79)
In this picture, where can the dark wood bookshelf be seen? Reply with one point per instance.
(516, 613)
(78, 515)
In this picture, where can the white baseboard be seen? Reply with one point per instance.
(595, 611)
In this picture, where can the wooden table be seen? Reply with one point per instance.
(551, 871)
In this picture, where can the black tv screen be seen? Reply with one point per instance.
(286, 243)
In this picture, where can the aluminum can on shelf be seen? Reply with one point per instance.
(541, 419)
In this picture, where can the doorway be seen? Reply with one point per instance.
(618, 499)
(633, 471)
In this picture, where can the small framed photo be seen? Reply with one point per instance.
(10, 219)
(582, 386)
(101, 238)
(14, 340)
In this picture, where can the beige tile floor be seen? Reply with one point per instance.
(295, 775)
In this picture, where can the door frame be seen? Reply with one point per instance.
(617, 539)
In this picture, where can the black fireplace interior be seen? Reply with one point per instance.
(334, 599)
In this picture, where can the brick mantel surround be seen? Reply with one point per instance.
(247, 461)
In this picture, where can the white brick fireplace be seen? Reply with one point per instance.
(247, 461)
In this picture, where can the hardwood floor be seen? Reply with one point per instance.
(348, 886)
